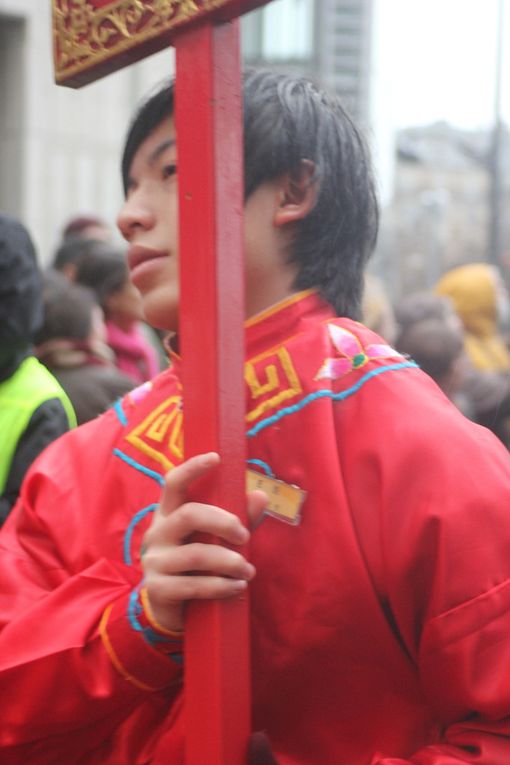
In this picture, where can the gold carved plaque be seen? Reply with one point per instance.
(92, 38)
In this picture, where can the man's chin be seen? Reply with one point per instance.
(161, 315)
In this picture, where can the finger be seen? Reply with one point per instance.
(167, 591)
(178, 480)
(197, 557)
(256, 505)
(197, 518)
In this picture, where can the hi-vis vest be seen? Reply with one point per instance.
(20, 396)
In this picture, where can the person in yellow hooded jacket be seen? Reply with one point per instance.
(479, 297)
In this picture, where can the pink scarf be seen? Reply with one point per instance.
(133, 353)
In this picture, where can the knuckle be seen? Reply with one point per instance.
(154, 586)
(191, 587)
(151, 562)
(233, 524)
(235, 560)
(148, 535)
(170, 480)
(194, 555)
(186, 513)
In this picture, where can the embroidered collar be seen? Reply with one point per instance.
(285, 319)
(280, 321)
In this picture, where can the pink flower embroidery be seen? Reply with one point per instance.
(139, 393)
(351, 354)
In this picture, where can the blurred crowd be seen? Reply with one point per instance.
(72, 340)
(459, 334)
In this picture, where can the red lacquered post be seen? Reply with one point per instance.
(210, 162)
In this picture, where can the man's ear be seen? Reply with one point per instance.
(297, 194)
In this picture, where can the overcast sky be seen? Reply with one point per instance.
(437, 60)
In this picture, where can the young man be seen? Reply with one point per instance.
(380, 618)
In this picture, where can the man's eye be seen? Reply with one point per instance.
(130, 185)
(169, 170)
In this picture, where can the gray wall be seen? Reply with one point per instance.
(60, 148)
(12, 117)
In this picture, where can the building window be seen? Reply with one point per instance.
(282, 31)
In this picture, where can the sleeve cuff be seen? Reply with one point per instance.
(138, 651)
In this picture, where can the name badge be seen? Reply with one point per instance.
(285, 500)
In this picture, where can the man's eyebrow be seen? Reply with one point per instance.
(158, 151)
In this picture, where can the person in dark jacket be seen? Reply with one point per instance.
(72, 344)
(103, 269)
(34, 410)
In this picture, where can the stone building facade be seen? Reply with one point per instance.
(60, 148)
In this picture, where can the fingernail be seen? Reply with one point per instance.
(211, 458)
(244, 534)
(251, 570)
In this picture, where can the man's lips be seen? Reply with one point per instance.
(137, 255)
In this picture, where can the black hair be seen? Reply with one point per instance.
(20, 294)
(68, 309)
(79, 224)
(72, 249)
(288, 119)
(104, 270)
(433, 344)
(151, 113)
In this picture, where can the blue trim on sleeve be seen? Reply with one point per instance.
(134, 611)
(119, 411)
(138, 466)
(128, 535)
(265, 467)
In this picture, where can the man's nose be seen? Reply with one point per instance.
(134, 215)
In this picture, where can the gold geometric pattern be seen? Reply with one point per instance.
(271, 377)
(90, 33)
(160, 435)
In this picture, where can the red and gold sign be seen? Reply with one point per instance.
(92, 38)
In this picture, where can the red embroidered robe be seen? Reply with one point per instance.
(380, 624)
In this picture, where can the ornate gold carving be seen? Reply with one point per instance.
(86, 34)
(271, 377)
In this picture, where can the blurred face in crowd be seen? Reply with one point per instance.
(148, 220)
(124, 306)
(98, 332)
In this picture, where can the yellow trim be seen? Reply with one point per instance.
(273, 381)
(278, 307)
(115, 659)
(151, 619)
(157, 425)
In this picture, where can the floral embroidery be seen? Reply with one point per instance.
(139, 393)
(351, 354)
(130, 400)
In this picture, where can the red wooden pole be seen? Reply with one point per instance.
(210, 161)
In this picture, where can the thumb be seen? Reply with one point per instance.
(259, 750)
(256, 504)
